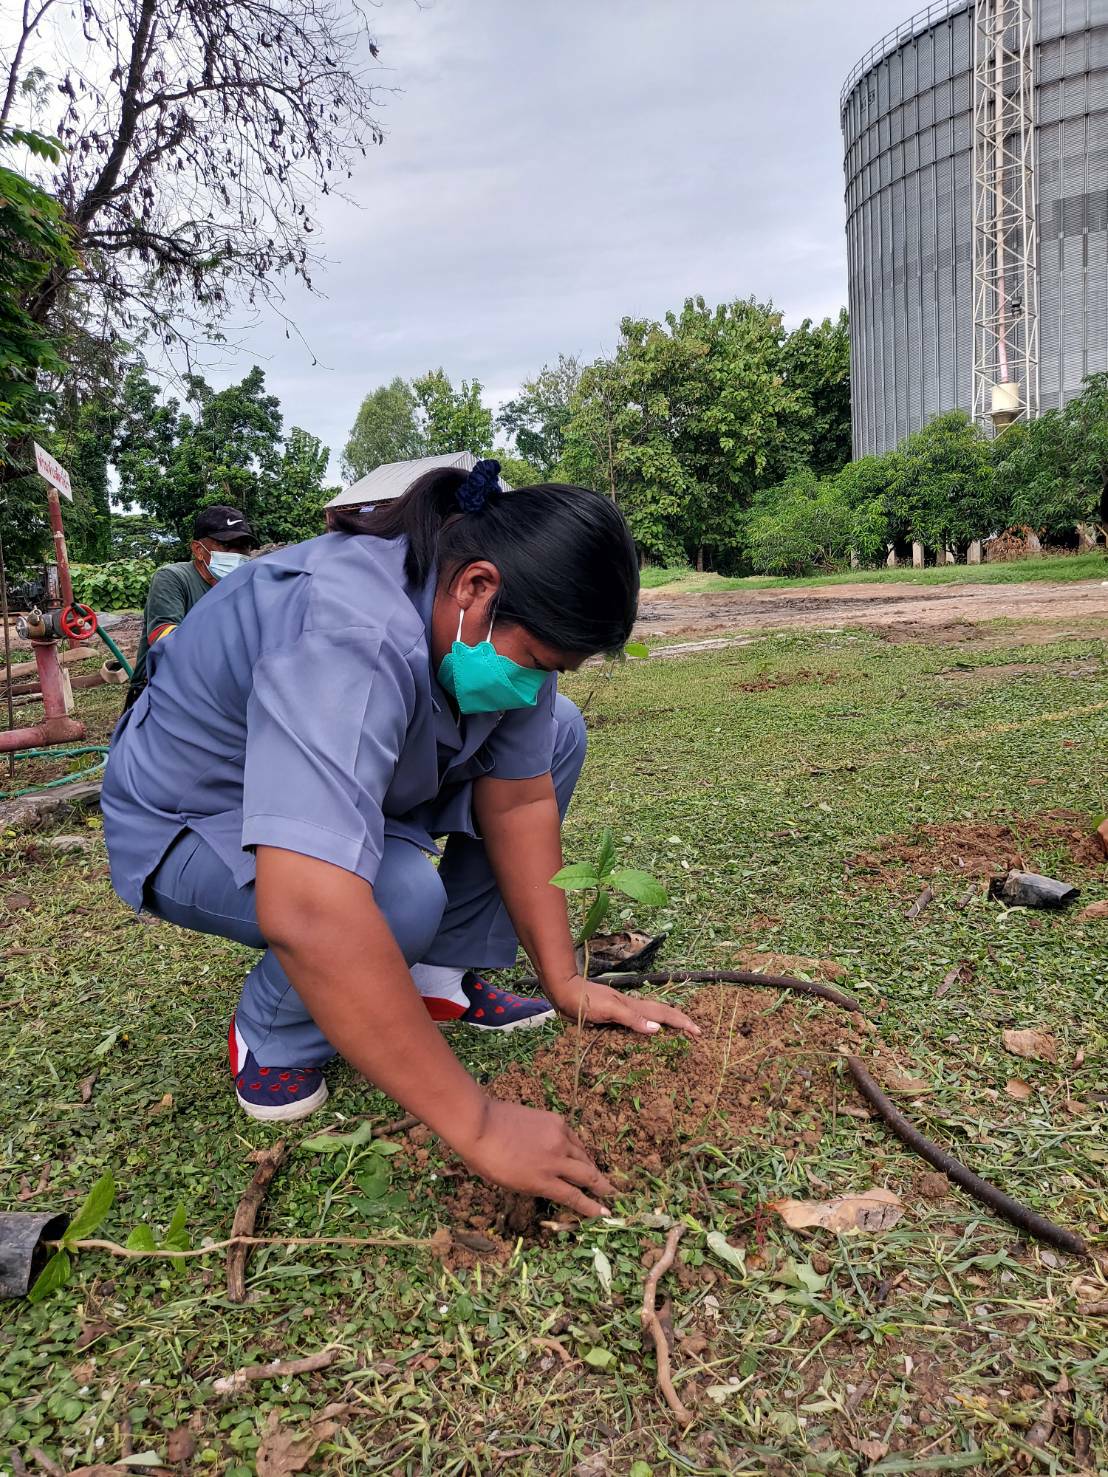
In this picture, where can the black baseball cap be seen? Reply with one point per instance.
(225, 525)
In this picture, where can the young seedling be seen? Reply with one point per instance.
(601, 878)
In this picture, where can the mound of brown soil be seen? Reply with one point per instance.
(982, 848)
(641, 1100)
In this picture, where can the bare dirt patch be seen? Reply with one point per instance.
(769, 682)
(642, 1101)
(979, 849)
(935, 613)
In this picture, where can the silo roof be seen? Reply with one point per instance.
(893, 40)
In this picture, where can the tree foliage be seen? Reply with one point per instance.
(385, 430)
(537, 418)
(1054, 472)
(451, 419)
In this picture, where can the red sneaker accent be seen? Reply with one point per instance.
(294, 1087)
(443, 1010)
(263, 1071)
(232, 1051)
(500, 1010)
(478, 1013)
(255, 1087)
(285, 1076)
(477, 985)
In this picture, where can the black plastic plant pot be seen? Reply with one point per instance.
(1030, 890)
(23, 1235)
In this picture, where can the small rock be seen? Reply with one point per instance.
(66, 843)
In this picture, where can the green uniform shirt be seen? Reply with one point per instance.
(174, 590)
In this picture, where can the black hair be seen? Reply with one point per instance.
(569, 573)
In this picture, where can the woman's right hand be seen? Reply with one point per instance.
(536, 1153)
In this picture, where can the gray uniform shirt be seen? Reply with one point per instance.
(296, 708)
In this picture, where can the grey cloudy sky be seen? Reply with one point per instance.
(552, 165)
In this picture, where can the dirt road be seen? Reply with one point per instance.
(898, 612)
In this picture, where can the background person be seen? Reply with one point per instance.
(221, 541)
(314, 725)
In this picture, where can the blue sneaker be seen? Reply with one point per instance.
(489, 1008)
(273, 1094)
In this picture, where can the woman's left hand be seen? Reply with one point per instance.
(600, 1005)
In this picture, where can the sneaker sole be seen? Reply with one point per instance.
(527, 1024)
(285, 1112)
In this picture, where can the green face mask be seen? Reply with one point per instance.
(480, 680)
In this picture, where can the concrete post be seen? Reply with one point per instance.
(1034, 547)
(890, 562)
(917, 554)
(949, 556)
(855, 562)
(1086, 538)
(973, 553)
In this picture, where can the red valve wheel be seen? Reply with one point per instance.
(78, 622)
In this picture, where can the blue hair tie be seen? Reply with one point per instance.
(474, 491)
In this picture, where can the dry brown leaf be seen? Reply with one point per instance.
(1035, 1046)
(872, 1210)
(1076, 1106)
(907, 1086)
(86, 1085)
(283, 1451)
(1093, 911)
(1019, 1089)
(873, 1451)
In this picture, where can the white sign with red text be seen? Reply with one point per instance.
(53, 471)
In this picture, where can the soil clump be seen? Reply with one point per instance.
(758, 1071)
(980, 849)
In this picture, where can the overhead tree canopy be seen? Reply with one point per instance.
(451, 419)
(538, 416)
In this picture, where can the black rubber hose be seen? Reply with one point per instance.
(996, 1200)
(1011, 1210)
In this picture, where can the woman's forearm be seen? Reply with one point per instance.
(522, 832)
(340, 955)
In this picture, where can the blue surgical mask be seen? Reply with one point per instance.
(221, 563)
(480, 680)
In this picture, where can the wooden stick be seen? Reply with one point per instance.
(269, 1162)
(276, 1369)
(650, 1322)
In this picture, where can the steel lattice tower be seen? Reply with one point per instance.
(1005, 260)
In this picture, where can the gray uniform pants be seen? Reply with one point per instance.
(451, 914)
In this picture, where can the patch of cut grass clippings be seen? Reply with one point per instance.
(945, 1343)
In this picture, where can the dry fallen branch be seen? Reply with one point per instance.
(113, 1248)
(269, 1162)
(651, 1323)
(276, 1369)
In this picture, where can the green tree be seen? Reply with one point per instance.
(452, 420)
(138, 536)
(538, 416)
(945, 491)
(515, 471)
(816, 364)
(384, 430)
(1053, 473)
(800, 525)
(868, 488)
(294, 506)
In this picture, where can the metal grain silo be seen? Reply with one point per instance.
(926, 298)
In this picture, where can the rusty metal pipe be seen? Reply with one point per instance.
(57, 727)
(61, 553)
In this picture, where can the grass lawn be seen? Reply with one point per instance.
(1062, 567)
(747, 780)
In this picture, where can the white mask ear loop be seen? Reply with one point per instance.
(461, 618)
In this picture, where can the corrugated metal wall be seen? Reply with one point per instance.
(907, 136)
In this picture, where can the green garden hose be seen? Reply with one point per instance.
(115, 651)
(65, 779)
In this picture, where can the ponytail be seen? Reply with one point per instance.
(569, 573)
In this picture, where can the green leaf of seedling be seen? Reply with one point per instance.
(596, 915)
(640, 886)
(577, 877)
(326, 1143)
(636, 648)
(176, 1237)
(641, 1469)
(606, 856)
(141, 1239)
(718, 1243)
(55, 1274)
(373, 1181)
(600, 1358)
(108, 1042)
(96, 1205)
